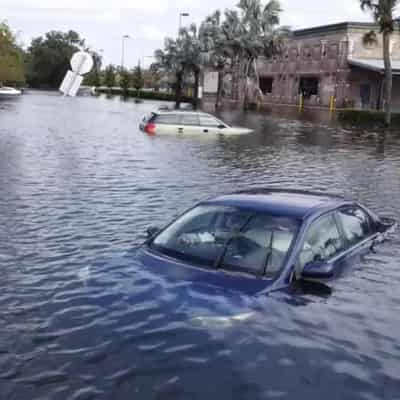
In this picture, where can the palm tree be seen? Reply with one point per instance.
(261, 35)
(383, 14)
(171, 60)
(182, 56)
(192, 55)
(214, 44)
(252, 31)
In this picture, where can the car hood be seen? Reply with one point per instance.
(205, 280)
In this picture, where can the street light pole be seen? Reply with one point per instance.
(182, 14)
(123, 50)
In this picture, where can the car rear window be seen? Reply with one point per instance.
(150, 117)
(172, 119)
(190, 119)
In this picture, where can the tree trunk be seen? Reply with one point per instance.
(246, 88)
(196, 89)
(219, 89)
(388, 78)
(178, 89)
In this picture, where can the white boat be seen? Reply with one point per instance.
(9, 92)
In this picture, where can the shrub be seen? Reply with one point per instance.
(366, 118)
(146, 95)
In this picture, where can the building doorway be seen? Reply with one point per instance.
(365, 95)
(309, 86)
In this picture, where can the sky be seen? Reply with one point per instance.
(103, 22)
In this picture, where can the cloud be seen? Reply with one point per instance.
(103, 22)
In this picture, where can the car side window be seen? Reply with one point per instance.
(169, 119)
(190, 119)
(209, 121)
(322, 241)
(356, 224)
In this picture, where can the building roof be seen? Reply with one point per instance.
(287, 203)
(373, 64)
(342, 26)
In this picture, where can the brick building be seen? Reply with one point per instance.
(327, 61)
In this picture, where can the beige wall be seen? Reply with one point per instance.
(357, 49)
(324, 55)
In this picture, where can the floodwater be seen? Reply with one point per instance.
(79, 184)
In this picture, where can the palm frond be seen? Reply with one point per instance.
(370, 38)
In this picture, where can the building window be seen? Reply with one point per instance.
(308, 86)
(333, 51)
(306, 52)
(266, 84)
(317, 52)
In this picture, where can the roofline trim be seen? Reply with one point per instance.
(364, 64)
(335, 27)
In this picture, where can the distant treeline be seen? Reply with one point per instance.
(44, 63)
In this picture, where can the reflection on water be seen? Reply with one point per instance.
(79, 184)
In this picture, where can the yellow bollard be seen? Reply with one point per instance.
(301, 102)
(332, 104)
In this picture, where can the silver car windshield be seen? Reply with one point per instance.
(230, 238)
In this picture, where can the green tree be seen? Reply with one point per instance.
(137, 78)
(383, 14)
(109, 76)
(49, 58)
(214, 44)
(152, 77)
(171, 60)
(11, 57)
(253, 31)
(193, 56)
(125, 81)
(93, 78)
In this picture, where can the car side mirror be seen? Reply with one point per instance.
(221, 126)
(317, 270)
(151, 231)
(384, 224)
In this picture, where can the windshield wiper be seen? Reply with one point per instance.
(269, 253)
(234, 234)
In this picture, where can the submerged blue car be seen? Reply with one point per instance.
(261, 240)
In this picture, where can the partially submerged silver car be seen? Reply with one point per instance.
(184, 122)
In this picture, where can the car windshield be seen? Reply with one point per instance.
(230, 238)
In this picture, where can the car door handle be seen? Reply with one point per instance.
(205, 130)
(180, 130)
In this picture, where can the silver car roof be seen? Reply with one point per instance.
(184, 113)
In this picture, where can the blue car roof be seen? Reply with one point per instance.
(281, 202)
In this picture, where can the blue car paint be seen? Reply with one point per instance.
(305, 207)
(178, 271)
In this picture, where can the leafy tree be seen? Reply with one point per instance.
(383, 14)
(171, 60)
(11, 57)
(109, 76)
(181, 57)
(125, 80)
(253, 31)
(192, 54)
(137, 78)
(49, 57)
(93, 78)
(214, 44)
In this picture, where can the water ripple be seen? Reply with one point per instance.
(79, 184)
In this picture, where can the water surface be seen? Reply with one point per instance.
(79, 184)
